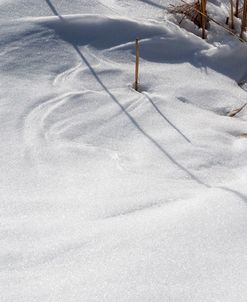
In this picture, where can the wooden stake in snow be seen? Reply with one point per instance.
(137, 65)
(204, 20)
(243, 25)
(232, 16)
(237, 8)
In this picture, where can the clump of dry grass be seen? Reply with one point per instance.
(191, 11)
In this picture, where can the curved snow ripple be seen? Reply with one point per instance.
(63, 76)
(35, 123)
(46, 123)
(75, 123)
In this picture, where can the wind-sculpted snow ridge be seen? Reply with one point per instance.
(108, 194)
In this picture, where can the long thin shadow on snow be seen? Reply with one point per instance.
(134, 122)
(238, 194)
(165, 118)
(53, 9)
(153, 4)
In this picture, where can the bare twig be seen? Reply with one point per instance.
(236, 111)
(232, 15)
(204, 18)
(137, 64)
(187, 10)
(243, 24)
(237, 8)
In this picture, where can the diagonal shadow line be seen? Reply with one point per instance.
(53, 9)
(153, 4)
(135, 123)
(240, 195)
(165, 118)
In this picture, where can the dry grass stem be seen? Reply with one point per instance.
(236, 111)
(189, 10)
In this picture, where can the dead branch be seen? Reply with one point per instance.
(236, 111)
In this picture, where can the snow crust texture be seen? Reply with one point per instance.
(108, 194)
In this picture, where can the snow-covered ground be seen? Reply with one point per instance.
(108, 194)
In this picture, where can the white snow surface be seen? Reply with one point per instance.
(108, 194)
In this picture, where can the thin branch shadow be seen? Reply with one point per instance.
(134, 122)
(53, 9)
(153, 4)
(238, 194)
(166, 119)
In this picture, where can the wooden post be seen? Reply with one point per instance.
(137, 65)
(232, 16)
(204, 19)
(243, 25)
(237, 8)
